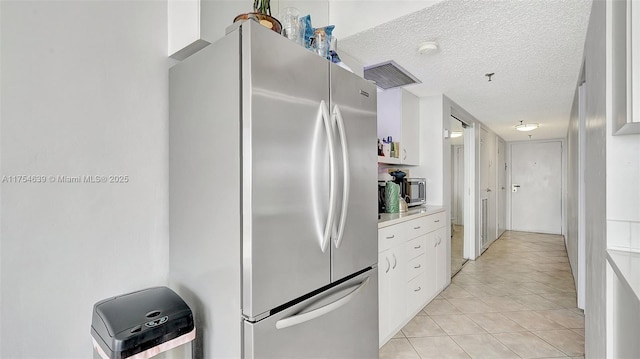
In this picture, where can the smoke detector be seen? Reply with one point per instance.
(389, 74)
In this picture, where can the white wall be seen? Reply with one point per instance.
(431, 148)
(623, 184)
(623, 152)
(84, 92)
(622, 215)
(595, 183)
(1, 112)
(572, 192)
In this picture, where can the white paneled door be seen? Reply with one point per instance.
(536, 187)
(488, 223)
(501, 188)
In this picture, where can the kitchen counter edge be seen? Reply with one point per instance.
(389, 219)
(625, 265)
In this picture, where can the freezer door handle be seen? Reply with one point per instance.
(324, 117)
(345, 173)
(305, 317)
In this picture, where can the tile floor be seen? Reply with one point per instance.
(517, 300)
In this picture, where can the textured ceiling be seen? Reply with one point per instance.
(534, 47)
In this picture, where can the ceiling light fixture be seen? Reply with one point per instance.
(456, 134)
(428, 48)
(527, 126)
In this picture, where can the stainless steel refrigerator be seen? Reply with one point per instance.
(273, 212)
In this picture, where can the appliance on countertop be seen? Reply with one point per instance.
(273, 265)
(415, 192)
(382, 204)
(412, 190)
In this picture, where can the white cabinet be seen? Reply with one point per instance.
(391, 274)
(410, 146)
(399, 117)
(442, 274)
(416, 275)
(437, 259)
(391, 301)
(412, 266)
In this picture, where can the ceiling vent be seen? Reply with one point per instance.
(388, 74)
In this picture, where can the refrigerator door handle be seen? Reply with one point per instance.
(345, 172)
(305, 317)
(323, 115)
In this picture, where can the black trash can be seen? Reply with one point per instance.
(143, 324)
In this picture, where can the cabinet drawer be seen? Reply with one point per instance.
(416, 247)
(417, 227)
(426, 224)
(436, 221)
(416, 294)
(391, 236)
(415, 267)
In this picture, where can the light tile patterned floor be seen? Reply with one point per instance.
(517, 300)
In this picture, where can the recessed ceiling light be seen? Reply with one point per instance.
(427, 48)
(456, 134)
(527, 126)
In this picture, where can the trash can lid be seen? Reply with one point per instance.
(128, 324)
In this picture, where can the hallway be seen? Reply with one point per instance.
(517, 300)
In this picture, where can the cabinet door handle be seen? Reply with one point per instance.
(436, 221)
(405, 154)
(418, 266)
(388, 264)
(395, 261)
(417, 290)
(418, 247)
(418, 227)
(392, 237)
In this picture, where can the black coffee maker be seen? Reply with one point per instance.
(399, 177)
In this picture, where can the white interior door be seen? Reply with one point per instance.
(458, 185)
(484, 184)
(487, 188)
(536, 187)
(501, 190)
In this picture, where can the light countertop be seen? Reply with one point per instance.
(627, 267)
(388, 219)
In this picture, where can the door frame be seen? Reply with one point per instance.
(582, 225)
(563, 174)
(471, 246)
(488, 192)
